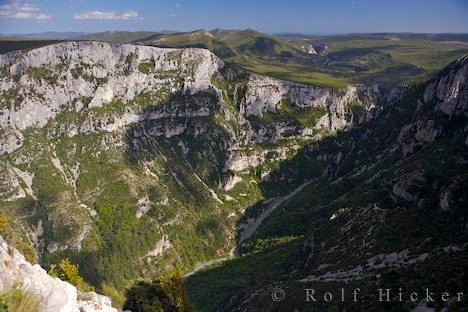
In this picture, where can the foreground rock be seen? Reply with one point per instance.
(55, 294)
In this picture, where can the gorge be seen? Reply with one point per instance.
(134, 161)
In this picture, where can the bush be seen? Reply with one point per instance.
(118, 298)
(24, 248)
(174, 287)
(4, 222)
(165, 294)
(68, 272)
(259, 245)
(27, 251)
(148, 297)
(17, 300)
(146, 67)
(5, 229)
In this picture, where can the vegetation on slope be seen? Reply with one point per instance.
(16, 300)
(352, 214)
(68, 272)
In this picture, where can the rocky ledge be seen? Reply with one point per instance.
(55, 295)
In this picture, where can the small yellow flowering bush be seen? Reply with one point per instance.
(4, 222)
(68, 272)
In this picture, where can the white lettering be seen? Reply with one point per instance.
(429, 295)
(381, 295)
(310, 295)
(445, 296)
(355, 293)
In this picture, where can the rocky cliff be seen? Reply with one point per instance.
(55, 295)
(104, 144)
(38, 85)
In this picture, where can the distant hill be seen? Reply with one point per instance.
(227, 43)
(448, 37)
(117, 36)
(330, 61)
(46, 35)
(8, 44)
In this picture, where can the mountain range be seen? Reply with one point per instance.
(252, 164)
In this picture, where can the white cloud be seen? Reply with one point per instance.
(103, 15)
(17, 9)
(177, 5)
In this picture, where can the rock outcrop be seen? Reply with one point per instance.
(55, 294)
(265, 94)
(46, 81)
(450, 89)
(447, 93)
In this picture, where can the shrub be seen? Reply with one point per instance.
(23, 247)
(166, 294)
(17, 300)
(174, 287)
(146, 67)
(68, 272)
(5, 228)
(27, 251)
(147, 296)
(4, 222)
(42, 73)
(118, 298)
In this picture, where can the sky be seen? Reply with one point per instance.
(293, 16)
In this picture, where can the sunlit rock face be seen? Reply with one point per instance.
(450, 89)
(55, 295)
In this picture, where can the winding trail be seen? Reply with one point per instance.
(205, 265)
(251, 228)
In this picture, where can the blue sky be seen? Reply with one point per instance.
(304, 16)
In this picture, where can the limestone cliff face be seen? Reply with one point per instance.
(84, 78)
(450, 90)
(447, 93)
(260, 97)
(264, 94)
(37, 85)
(55, 295)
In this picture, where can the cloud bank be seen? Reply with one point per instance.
(105, 15)
(17, 9)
